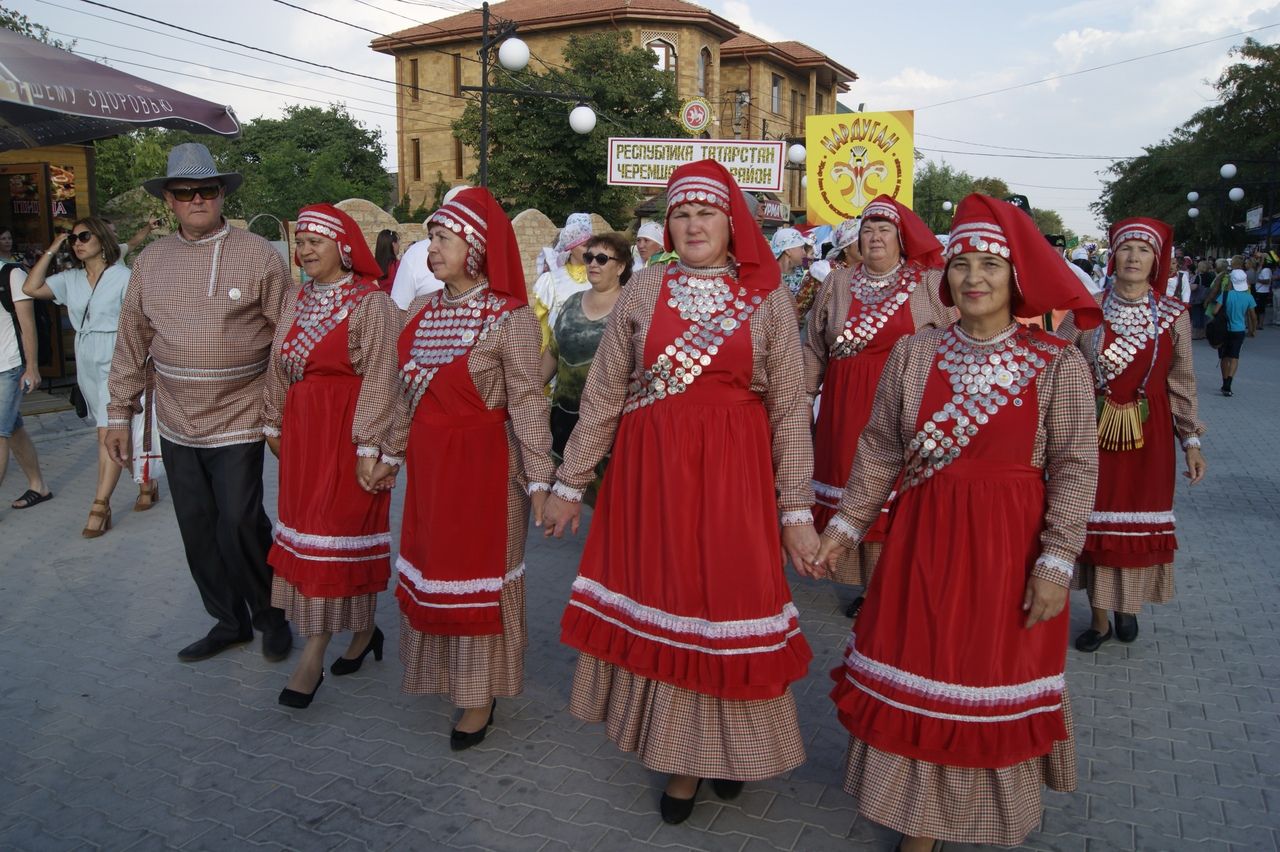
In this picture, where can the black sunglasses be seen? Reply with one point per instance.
(80, 236)
(601, 259)
(186, 193)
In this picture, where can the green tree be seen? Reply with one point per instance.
(310, 154)
(993, 186)
(936, 183)
(1050, 222)
(11, 19)
(1242, 127)
(537, 160)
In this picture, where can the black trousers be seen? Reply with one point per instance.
(217, 496)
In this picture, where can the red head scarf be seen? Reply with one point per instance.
(328, 221)
(1041, 280)
(475, 215)
(919, 245)
(708, 182)
(1154, 233)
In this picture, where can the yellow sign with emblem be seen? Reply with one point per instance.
(854, 157)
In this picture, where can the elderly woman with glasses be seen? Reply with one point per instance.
(952, 686)
(859, 314)
(577, 335)
(474, 420)
(93, 292)
(687, 636)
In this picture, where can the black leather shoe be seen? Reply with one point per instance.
(1126, 626)
(277, 643)
(203, 649)
(851, 611)
(675, 811)
(345, 666)
(299, 700)
(463, 740)
(1091, 640)
(727, 790)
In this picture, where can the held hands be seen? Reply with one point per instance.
(1043, 600)
(119, 445)
(375, 475)
(830, 552)
(800, 544)
(539, 501)
(560, 515)
(1196, 465)
(273, 444)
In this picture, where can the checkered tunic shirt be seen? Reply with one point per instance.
(830, 311)
(776, 376)
(205, 312)
(1065, 446)
(372, 330)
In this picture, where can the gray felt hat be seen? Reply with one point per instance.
(192, 161)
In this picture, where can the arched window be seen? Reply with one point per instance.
(664, 54)
(704, 70)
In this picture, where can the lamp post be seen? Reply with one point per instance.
(513, 55)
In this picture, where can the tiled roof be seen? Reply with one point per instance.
(793, 53)
(533, 15)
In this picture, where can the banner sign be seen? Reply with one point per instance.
(854, 157)
(756, 165)
(1253, 218)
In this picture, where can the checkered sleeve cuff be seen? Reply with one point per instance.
(271, 431)
(843, 532)
(535, 487)
(1189, 442)
(1055, 569)
(800, 518)
(569, 495)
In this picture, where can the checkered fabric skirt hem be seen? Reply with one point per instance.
(858, 563)
(471, 670)
(313, 616)
(954, 803)
(681, 732)
(1125, 589)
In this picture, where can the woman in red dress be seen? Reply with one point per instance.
(476, 425)
(687, 635)
(331, 387)
(1146, 386)
(952, 688)
(860, 312)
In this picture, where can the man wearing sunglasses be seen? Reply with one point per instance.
(202, 305)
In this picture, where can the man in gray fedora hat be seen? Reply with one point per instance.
(202, 304)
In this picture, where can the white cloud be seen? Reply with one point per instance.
(739, 11)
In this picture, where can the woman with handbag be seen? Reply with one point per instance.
(93, 292)
(1145, 384)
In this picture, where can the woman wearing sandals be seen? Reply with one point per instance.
(952, 688)
(1146, 401)
(474, 418)
(93, 292)
(331, 388)
(687, 636)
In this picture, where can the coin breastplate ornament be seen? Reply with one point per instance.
(447, 330)
(715, 306)
(878, 300)
(985, 376)
(321, 309)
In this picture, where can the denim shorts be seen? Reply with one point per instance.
(10, 401)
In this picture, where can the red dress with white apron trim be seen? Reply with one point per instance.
(1132, 523)
(333, 538)
(453, 544)
(878, 318)
(939, 667)
(681, 579)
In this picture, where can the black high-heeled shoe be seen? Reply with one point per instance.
(675, 811)
(462, 740)
(299, 700)
(344, 666)
(727, 790)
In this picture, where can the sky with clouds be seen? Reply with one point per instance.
(932, 60)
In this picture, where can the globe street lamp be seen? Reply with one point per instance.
(1228, 171)
(1193, 197)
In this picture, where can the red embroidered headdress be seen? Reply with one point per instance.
(1154, 233)
(475, 215)
(919, 245)
(328, 221)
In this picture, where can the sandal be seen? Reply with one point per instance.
(30, 498)
(147, 499)
(104, 513)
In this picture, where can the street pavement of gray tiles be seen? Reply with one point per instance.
(107, 741)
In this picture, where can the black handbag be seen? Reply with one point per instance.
(78, 400)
